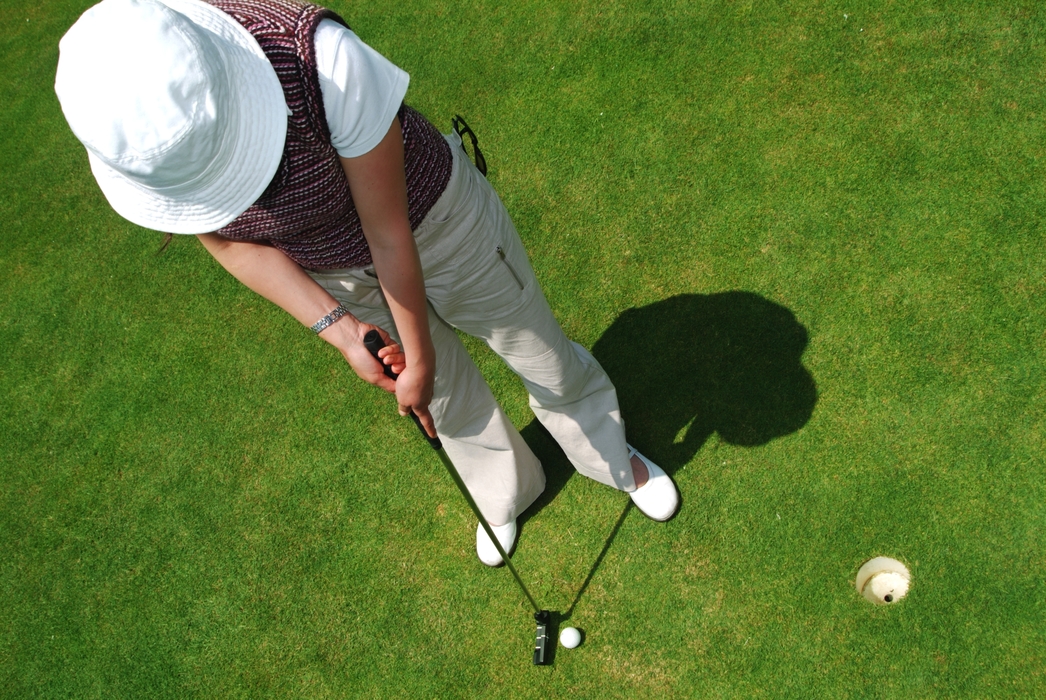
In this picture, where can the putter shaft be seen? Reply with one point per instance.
(373, 342)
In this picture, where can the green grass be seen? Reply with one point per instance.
(806, 240)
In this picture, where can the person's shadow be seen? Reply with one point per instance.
(693, 365)
(686, 368)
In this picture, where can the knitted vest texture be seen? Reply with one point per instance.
(307, 211)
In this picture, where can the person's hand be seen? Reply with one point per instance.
(413, 388)
(392, 355)
(414, 393)
(348, 338)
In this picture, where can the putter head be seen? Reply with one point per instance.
(544, 620)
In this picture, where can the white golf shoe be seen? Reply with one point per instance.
(658, 497)
(485, 549)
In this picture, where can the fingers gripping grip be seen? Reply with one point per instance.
(373, 342)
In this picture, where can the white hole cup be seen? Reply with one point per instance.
(883, 581)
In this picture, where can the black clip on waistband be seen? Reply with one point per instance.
(461, 129)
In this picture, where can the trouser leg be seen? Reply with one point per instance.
(487, 289)
(501, 472)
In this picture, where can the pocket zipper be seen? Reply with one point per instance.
(501, 254)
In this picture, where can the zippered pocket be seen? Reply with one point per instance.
(501, 254)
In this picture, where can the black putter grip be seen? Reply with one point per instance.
(373, 342)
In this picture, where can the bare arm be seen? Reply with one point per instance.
(379, 191)
(279, 279)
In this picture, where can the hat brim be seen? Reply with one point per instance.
(254, 141)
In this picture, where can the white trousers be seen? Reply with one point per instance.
(478, 280)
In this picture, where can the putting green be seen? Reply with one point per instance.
(805, 239)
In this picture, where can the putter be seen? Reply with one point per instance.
(373, 342)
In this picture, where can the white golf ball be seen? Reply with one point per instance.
(883, 580)
(570, 637)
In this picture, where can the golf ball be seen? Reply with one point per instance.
(570, 637)
(883, 580)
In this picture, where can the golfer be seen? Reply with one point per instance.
(268, 130)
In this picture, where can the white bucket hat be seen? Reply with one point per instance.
(182, 115)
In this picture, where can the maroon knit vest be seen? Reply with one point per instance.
(307, 211)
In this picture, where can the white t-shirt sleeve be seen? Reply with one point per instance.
(362, 90)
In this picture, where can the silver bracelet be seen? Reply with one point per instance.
(329, 319)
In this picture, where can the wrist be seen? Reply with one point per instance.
(330, 319)
(341, 330)
(424, 360)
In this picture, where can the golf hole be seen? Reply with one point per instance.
(883, 580)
